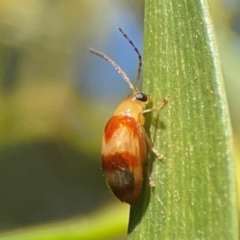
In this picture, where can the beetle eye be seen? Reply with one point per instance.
(141, 97)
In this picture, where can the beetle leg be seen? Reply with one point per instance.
(158, 107)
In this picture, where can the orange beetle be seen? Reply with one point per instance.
(125, 142)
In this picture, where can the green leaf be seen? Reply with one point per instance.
(195, 192)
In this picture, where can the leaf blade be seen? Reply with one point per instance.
(195, 194)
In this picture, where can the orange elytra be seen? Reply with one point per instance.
(125, 142)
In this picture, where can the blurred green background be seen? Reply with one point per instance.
(55, 98)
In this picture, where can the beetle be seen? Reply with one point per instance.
(125, 142)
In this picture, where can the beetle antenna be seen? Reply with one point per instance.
(139, 57)
(116, 67)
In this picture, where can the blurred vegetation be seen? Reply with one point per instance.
(52, 112)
